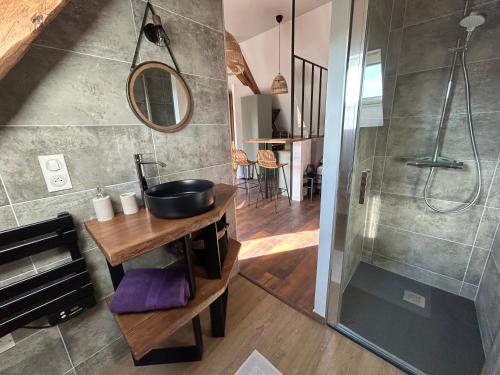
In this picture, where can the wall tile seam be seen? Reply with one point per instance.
(469, 63)
(155, 152)
(16, 219)
(205, 77)
(189, 19)
(456, 12)
(481, 221)
(494, 260)
(132, 19)
(35, 332)
(48, 265)
(419, 268)
(482, 273)
(489, 331)
(9, 200)
(41, 45)
(391, 156)
(74, 192)
(473, 285)
(485, 263)
(185, 17)
(114, 339)
(388, 37)
(384, 22)
(451, 115)
(73, 366)
(15, 277)
(435, 199)
(118, 60)
(65, 348)
(13, 205)
(92, 125)
(425, 235)
(100, 350)
(496, 172)
(103, 125)
(392, 103)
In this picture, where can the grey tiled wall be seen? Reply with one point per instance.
(67, 95)
(401, 234)
(488, 303)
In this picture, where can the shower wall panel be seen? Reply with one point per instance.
(401, 234)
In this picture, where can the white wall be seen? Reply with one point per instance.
(312, 34)
(301, 158)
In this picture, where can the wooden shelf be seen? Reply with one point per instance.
(146, 331)
(128, 236)
(21, 21)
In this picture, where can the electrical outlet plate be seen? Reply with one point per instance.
(55, 172)
(6, 342)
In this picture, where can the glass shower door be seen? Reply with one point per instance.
(404, 279)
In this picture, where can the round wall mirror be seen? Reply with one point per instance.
(159, 96)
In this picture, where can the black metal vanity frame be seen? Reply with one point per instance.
(218, 308)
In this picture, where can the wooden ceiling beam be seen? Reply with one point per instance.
(21, 21)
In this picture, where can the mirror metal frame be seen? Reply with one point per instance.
(134, 74)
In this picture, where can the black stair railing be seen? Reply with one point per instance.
(305, 64)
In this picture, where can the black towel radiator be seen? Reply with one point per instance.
(59, 293)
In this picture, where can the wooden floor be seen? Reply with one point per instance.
(291, 341)
(280, 250)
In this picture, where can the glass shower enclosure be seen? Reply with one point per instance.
(415, 271)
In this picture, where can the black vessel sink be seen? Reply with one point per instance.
(178, 199)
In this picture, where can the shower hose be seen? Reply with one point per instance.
(475, 197)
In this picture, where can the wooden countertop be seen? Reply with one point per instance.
(275, 141)
(128, 236)
(146, 331)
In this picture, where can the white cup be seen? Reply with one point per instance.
(129, 203)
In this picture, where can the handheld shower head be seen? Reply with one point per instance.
(473, 20)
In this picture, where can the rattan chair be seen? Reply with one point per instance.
(267, 161)
(240, 159)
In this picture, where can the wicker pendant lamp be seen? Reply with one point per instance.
(279, 85)
(234, 57)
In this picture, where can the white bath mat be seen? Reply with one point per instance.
(257, 364)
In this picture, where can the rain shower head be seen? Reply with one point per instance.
(472, 21)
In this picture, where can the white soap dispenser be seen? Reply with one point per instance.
(102, 206)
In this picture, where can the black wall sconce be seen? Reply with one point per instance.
(155, 33)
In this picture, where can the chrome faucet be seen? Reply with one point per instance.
(143, 184)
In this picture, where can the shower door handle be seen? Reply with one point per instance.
(362, 186)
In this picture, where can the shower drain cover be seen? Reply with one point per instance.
(414, 298)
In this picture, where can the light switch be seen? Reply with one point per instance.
(53, 165)
(55, 172)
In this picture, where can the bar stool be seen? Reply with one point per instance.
(240, 159)
(267, 161)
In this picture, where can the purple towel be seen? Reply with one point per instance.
(150, 289)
